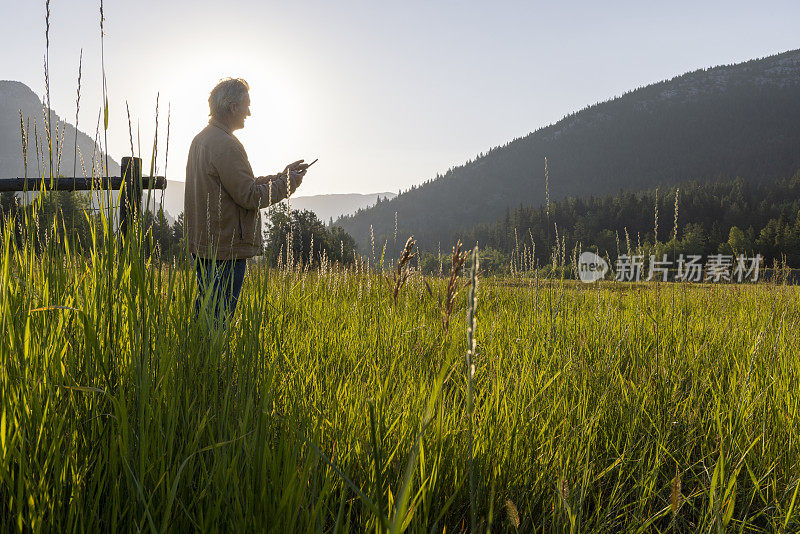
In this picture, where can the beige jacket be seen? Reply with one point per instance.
(222, 197)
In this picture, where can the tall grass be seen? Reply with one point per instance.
(322, 410)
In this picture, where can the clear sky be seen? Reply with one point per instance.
(385, 94)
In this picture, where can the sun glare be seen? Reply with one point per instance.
(276, 128)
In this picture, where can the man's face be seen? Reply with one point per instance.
(239, 112)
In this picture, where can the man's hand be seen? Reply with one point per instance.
(296, 167)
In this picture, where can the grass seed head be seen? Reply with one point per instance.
(404, 269)
(512, 513)
(675, 220)
(457, 264)
(547, 187)
(675, 497)
(655, 222)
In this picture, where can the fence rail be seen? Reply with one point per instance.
(131, 202)
(81, 183)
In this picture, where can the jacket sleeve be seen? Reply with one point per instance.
(237, 178)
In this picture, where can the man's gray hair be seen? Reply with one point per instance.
(228, 91)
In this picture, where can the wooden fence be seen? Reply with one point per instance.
(130, 204)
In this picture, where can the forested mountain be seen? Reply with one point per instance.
(16, 96)
(731, 121)
(722, 216)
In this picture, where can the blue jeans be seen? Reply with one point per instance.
(223, 280)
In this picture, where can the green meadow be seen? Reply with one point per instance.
(332, 405)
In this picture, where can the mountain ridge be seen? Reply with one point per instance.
(15, 97)
(732, 120)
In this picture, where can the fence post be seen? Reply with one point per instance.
(130, 205)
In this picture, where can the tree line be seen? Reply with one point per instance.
(719, 217)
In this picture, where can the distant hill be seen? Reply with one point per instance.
(738, 120)
(16, 96)
(324, 206)
(172, 198)
(334, 206)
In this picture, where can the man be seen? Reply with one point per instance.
(223, 199)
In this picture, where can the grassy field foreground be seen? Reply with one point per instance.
(596, 409)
